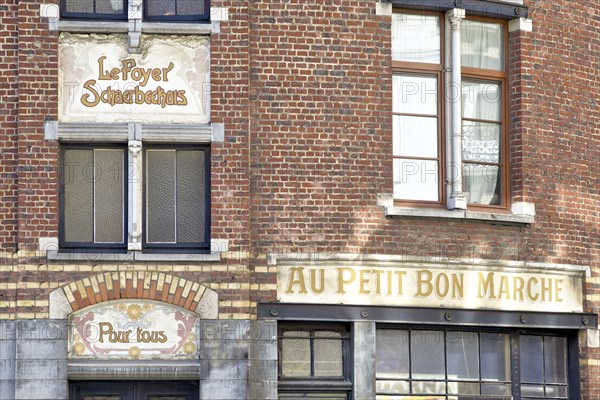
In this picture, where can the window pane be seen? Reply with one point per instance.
(495, 389)
(462, 352)
(109, 6)
(532, 362)
(482, 45)
(295, 354)
(190, 196)
(416, 180)
(328, 354)
(463, 388)
(190, 7)
(533, 390)
(481, 184)
(108, 193)
(392, 354)
(79, 195)
(160, 196)
(555, 359)
(79, 6)
(392, 387)
(415, 136)
(481, 141)
(495, 356)
(427, 356)
(416, 38)
(556, 391)
(428, 387)
(160, 7)
(414, 94)
(481, 100)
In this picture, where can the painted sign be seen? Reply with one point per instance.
(133, 329)
(99, 81)
(494, 288)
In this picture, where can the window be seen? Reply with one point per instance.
(154, 10)
(470, 365)
(312, 362)
(95, 206)
(94, 9)
(423, 96)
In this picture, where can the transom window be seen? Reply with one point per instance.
(469, 365)
(422, 95)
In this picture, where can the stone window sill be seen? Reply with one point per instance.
(54, 255)
(464, 215)
(146, 27)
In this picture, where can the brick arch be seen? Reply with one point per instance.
(156, 286)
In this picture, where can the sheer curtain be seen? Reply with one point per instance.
(482, 45)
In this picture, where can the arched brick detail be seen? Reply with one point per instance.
(134, 285)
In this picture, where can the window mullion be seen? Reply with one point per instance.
(135, 189)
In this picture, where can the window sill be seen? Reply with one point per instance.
(54, 255)
(464, 215)
(85, 26)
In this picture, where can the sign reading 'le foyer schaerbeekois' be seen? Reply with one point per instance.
(100, 81)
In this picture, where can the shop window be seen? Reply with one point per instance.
(469, 365)
(176, 10)
(94, 9)
(422, 95)
(313, 363)
(94, 199)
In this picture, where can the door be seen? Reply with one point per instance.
(134, 390)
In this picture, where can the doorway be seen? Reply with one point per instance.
(133, 390)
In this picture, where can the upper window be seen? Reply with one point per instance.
(96, 206)
(154, 10)
(422, 95)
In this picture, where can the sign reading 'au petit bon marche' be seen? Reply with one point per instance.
(100, 81)
(498, 289)
(133, 329)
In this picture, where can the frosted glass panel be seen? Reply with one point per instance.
(416, 179)
(555, 359)
(80, 6)
(78, 170)
(495, 356)
(108, 192)
(532, 361)
(481, 100)
(481, 141)
(415, 136)
(160, 196)
(427, 359)
(482, 45)
(462, 353)
(414, 94)
(392, 354)
(160, 7)
(109, 6)
(190, 196)
(328, 353)
(295, 354)
(416, 38)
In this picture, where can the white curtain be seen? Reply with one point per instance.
(482, 45)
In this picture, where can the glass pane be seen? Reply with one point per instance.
(463, 388)
(416, 180)
(109, 6)
(482, 45)
(295, 354)
(415, 136)
(555, 359)
(167, 398)
(481, 100)
(108, 193)
(190, 7)
(160, 196)
(160, 7)
(328, 354)
(481, 141)
(556, 391)
(462, 355)
(427, 355)
(190, 196)
(392, 354)
(532, 362)
(78, 170)
(415, 94)
(533, 390)
(481, 184)
(428, 387)
(79, 6)
(495, 389)
(392, 387)
(102, 397)
(495, 356)
(416, 38)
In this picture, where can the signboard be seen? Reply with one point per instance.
(494, 288)
(134, 329)
(99, 81)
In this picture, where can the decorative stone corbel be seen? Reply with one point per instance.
(135, 26)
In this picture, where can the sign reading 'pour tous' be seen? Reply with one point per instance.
(133, 329)
(100, 81)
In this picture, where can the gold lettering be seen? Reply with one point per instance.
(519, 284)
(296, 278)
(557, 289)
(103, 75)
(105, 329)
(485, 287)
(166, 71)
(546, 289)
(529, 291)
(128, 64)
(313, 280)
(89, 85)
(442, 285)
(364, 281)
(344, 281)
(458, 284)
(424, 278)
(504, 288)
(399, 274)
